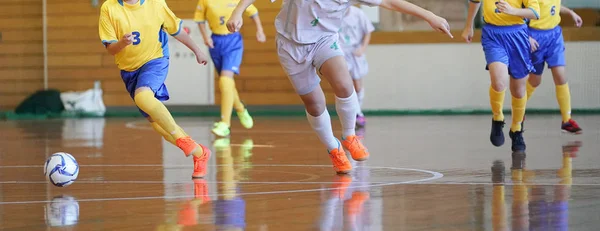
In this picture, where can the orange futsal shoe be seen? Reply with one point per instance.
(341, 164)
(356, 148)
(200, 163)
(187, 145)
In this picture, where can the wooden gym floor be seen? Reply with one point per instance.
(425, 173)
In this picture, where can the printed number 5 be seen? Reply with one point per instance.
(222, 20)
(136, 38)
(553, 10)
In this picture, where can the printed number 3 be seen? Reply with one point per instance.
(136, 38)
(553, 10)
(222, 20)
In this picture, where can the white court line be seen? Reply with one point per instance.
(434, 176)
(133, 125)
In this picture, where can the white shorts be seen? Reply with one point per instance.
(302, 61)
(357, 65)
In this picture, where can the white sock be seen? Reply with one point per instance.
(361, 97)
(322, 125)
(347, 109)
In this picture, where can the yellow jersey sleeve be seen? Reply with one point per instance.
(534, 5)
(106, 30)
(549, 15)
(251, 11)
(171, 24)
(200, 13)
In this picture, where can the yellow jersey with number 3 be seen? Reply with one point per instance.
(217, 12)
(147, 21)
(491, 14)
(549, 15)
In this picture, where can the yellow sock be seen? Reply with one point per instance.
(563, 96)
(497, 101)
(163, 133)
(145, 100)
(498, 208)
(237, 103)
(518, 112)
(227, 86)
(530, 90)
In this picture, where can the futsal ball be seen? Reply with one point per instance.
(61, 169)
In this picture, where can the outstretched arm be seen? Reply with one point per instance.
(436, 22)
(575, 16)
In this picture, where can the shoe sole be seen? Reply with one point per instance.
(572, 133)
(343, 172)
(219, 135)
(361, 159)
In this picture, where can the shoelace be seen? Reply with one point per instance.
(573, 123)
(337, 159)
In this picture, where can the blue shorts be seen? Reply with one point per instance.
(227, 52)
(551, 49)
(508, 45)
(152, 75)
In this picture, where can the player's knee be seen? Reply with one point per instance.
(535, 80)
(315, 109)
(498, 85)
(558, 75)
(518, 88)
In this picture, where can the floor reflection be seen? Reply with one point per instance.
(533, 207)
(347, 207)
(227, 211)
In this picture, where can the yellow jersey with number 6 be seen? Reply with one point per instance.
(147, 21)
(549, 15)
(217, 12)
(491, 14)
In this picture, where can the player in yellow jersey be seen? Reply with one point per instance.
(226, 50)
(505, 42)
(548, 46)
(135, 32)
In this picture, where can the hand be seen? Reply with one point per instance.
(235, 22)
(578, 21)
(359, 51)
(201, 58)
(534, 44)
(504, 7)
(467, 34)
(127, 39)
(260, 36)
(209, 43)
(440, 24)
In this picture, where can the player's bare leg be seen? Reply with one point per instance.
(563, 96)
(360, 92)
(499, 79)
(319, 119)
(144, 99)
(518, 91)
(336, 72)
(229, 100)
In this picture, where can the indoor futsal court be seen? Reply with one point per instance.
(76, 154)
(425, 173)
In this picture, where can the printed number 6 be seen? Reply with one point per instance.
(553, 10)
(222, 20)
(136, 38)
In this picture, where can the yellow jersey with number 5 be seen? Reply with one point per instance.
(491, 14)
(217, 12)
(147, 21)
(549, 15)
